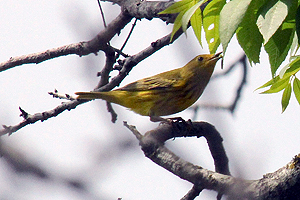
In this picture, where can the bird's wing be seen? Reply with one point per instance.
(157, 82)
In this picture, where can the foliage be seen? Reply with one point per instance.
(272, 24)
(208, 18)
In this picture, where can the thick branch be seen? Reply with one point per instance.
(131, 8)
(282, 184)
(147, 9)
(81, 48)
(198, 129)
(152, 144)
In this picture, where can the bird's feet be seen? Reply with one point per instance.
(176, 122)
(166, 120)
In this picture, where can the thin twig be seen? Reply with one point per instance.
(30, 119)
(112, 112)
(120, 52)
(129, 63)
(193, 193)
(58, 95)
(133, 129)
(104, 74)
(243, 82)
(102, 13)
(128, 36)
(109, 63)
(133, 60)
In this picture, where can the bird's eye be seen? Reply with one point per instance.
(200, 58)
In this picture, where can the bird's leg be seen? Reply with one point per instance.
(177, 119)
(166, 120)
(176, 122)
(171, 121)
(160, 119)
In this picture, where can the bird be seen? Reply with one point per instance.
(163, 94)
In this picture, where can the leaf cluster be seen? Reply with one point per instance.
(190, 13)
(271, 24)
(284, 81)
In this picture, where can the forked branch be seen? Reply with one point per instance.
(281, 184)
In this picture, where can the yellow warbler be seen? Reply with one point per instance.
(165, 93)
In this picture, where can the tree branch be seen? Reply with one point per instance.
(130, 8)
(129, 63)
(82, 48)
(282, 184)
(193, 193)
(147, 9)
(139, 10)
(19, 162)
(152, 144)
(31, 119)
(100, 42)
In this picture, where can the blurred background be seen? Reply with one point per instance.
(82, 155)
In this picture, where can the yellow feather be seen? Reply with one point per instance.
(165, 93)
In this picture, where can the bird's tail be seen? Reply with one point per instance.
(89, 95)
(115, 96)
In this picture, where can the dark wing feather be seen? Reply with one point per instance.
(157, 82)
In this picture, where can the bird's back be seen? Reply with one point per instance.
(165, 93)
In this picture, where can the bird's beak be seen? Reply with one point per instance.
(217, 56)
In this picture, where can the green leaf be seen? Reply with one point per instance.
(283, 70)
(196, 23)
(294, 45)
(298, 23)
(277, 86)
(286, 97)
(177, 24)
(270, 82)
(177, 7)
(230, 17)
(279, 45)
(188, 14)
(279, 82)
(211, 16)
(296, 88)
(271, 17)
(294, 67)
(248, 34)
